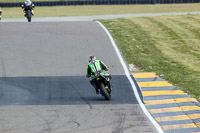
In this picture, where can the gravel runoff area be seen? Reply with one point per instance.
(91, 18)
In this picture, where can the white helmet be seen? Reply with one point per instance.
(28, 2)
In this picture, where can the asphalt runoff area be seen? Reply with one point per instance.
(43, 87)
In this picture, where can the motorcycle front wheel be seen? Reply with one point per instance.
(28, 15)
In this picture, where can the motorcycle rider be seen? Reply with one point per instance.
(95, 66)
(28, 5)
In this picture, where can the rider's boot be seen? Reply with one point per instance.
(97, 91)
(32, 12)
(111, 87)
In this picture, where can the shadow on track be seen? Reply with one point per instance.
(61, 90)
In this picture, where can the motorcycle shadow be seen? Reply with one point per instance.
(98, 100)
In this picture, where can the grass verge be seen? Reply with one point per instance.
(167, 45)
(58, 11)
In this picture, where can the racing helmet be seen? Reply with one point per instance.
(28, 2)
(92, 58)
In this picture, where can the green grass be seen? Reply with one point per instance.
(58, 11)
(167, 45)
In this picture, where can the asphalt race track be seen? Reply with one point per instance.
(43, 87)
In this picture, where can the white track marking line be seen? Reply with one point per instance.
(157, 126)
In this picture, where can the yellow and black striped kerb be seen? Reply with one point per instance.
(174, 110)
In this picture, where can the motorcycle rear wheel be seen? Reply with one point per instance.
(104, 92)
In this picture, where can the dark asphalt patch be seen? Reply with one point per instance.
(61, 90)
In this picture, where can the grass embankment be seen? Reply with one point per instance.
(58, 11)
(167, 45)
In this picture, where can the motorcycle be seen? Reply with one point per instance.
(28, 9)
(102, 82)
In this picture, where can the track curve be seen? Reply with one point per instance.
(43, 85)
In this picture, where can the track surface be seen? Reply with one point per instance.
(43, 87)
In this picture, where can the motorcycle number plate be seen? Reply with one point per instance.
(98, 78)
